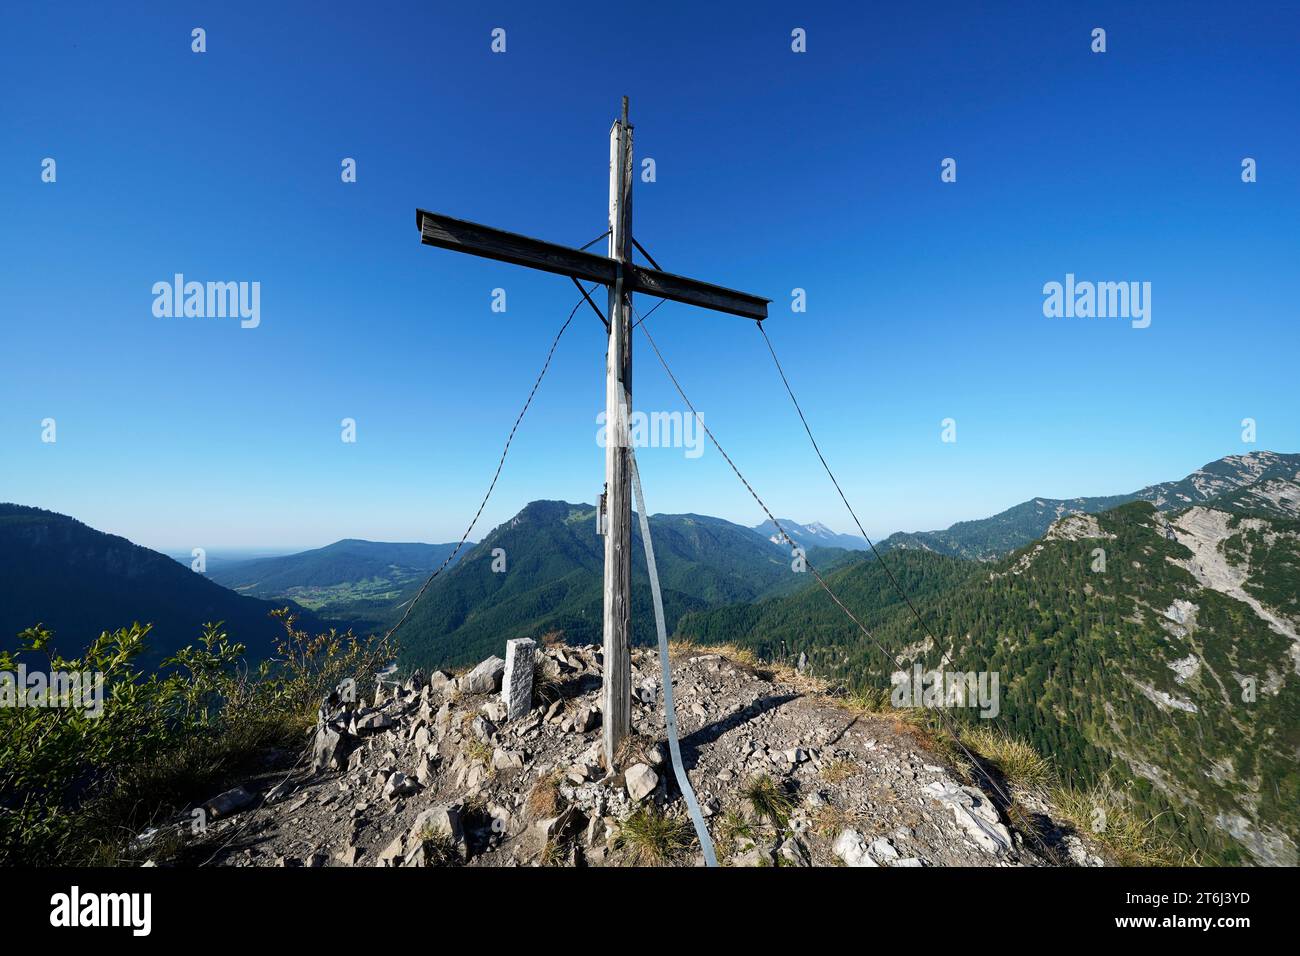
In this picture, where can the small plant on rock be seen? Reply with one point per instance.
(548, 687)
(768, 800)
(477, 750)
(651, 837)
(439, 849)
(730, 830)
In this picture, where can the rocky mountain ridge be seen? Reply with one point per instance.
(1219, 606)
(814, 534)
(431, 773)
(1268, 474)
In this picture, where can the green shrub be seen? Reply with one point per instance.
(75, 787)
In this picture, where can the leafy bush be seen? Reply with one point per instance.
(75, 787)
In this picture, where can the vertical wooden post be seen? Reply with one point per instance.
(616, 693)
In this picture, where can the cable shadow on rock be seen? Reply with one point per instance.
(709, 733)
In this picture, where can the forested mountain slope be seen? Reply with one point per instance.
(1158, 648)
(548, 577)
(78, 582)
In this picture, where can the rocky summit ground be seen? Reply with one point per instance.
(787, 774)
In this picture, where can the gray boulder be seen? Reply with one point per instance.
(883, 850)
(441, 822)
(485, 678)
(852, 849)
(232, 801)
(974, 814)
(641, 781)
(373, 722)
(399, 785)
(330, 749)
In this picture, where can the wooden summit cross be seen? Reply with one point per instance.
(623, 277)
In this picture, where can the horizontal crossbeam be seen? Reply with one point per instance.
(459, 235)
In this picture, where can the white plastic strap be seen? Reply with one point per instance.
(683, 781)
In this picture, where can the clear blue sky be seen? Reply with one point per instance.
(775, 170)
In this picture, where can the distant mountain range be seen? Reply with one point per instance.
(1156, 644)
(552, 580)
(78, 582)
(990, 538)
(343, 562)
(811, 535)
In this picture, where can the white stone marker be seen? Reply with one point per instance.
(517, 685)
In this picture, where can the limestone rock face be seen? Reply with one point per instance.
(974, 814)
(329, 749)
(334, 741)
(852, 849)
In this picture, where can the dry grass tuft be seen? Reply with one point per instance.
(1018, 762)
(439, 849)
(548, 686)
(829, 820)
(680, 648)
(633, 750)
(477, 750)
(768, 800)
(555, 853)
(650, 837)
(1126, 838)
(839, 770)
(544, 800)
(871, 701)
